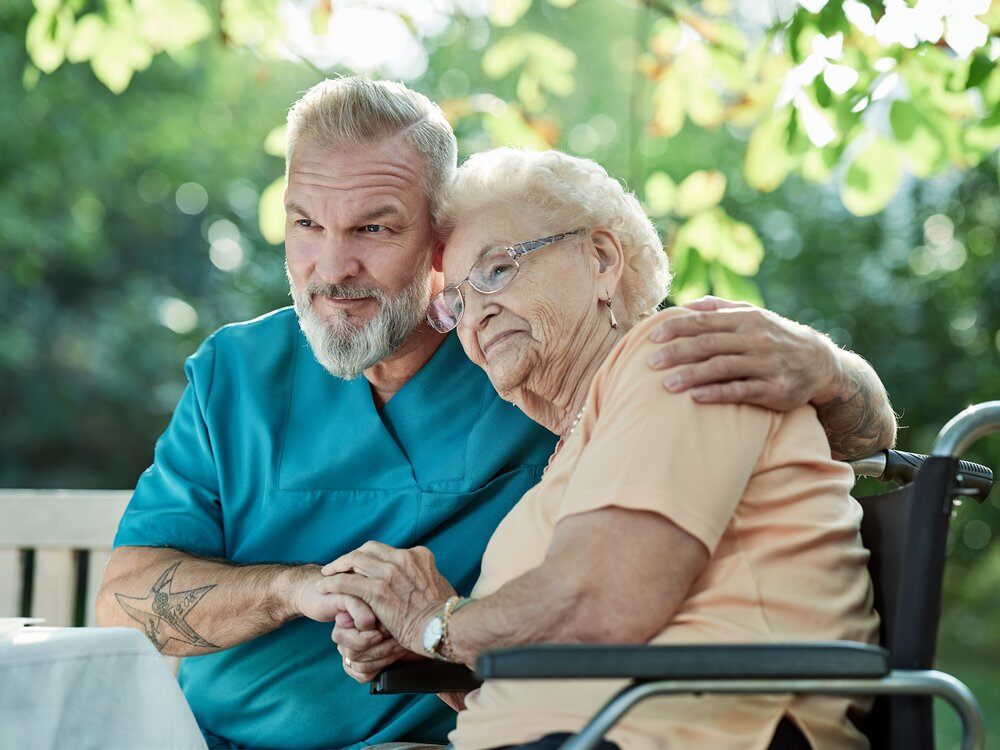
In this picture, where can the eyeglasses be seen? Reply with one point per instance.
(492, 272)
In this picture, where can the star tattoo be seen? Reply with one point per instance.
(162, 611)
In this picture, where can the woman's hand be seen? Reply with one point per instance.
(402, 587)
(366, 653)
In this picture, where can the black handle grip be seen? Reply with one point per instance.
(427, 676)
(975, 480)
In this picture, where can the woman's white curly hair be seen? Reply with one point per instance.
(572, 192)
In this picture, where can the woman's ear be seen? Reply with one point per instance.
(610, 258)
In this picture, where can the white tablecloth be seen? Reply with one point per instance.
(81, 688)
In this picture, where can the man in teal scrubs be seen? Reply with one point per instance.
(309, 431)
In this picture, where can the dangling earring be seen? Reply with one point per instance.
(614, 320)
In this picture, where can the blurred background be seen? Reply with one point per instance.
(835, 161)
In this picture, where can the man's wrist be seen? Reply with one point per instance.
(831, 383)
(288, 589)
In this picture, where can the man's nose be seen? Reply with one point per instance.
(337, 261)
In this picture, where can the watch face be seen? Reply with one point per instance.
(432, 635)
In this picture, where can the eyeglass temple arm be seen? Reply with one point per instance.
(523, 248)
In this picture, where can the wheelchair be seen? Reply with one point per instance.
(905, 529)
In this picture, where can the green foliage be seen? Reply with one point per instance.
(116, 266)
(119, 41)
(873, 178)
(805, 88)
(545, 66)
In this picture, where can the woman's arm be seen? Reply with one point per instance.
(611, 575)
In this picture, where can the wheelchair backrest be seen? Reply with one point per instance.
(906, 531)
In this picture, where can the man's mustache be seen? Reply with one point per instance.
(344, 292)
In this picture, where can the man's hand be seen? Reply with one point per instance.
(306, 598)
(402, 586)
(734, 352)
(366, 652)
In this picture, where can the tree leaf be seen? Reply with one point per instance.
(46, 38)
(119, 57)
(274, 142)
(767, 161)
(703, 234)
(88, 36)
(508, 12)
(271, 212)
(740, 249)
(705, 107)
(700, 191)
(979, 68)
(983, 139)
(872, 178)
(510, 128)
(731, 285)
(691, 282)
(660, 192)
(250, 23)
(172, 25)
(921, 138)
(668, 103)
(501, 58)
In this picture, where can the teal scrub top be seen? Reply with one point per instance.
(269, 458)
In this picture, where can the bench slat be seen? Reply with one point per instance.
(98, 560)
(60, 518)
(53, 595)
(10, 582)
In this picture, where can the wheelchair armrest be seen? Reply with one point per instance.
(822, 660)
(427, 676)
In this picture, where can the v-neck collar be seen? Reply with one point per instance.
(336, 439)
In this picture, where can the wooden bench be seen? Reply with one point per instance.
(54, 545)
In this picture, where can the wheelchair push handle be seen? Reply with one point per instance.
(967, 427)
(973, 480)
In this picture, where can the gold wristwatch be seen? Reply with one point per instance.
(435, 640)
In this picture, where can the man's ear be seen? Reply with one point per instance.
(610, 257)
(437, 259)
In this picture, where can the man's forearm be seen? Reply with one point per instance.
(188, 605)
(856, 413)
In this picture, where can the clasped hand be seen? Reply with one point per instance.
(381, 598)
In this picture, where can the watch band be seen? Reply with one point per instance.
(452, 606)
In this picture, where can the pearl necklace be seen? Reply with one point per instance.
(564, 438)
(576, 421)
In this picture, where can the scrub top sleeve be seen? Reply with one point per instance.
(176, 501)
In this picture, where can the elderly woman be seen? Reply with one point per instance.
(658, 519)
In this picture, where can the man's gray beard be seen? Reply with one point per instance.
(347, 350)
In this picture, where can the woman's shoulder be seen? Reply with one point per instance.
(636, 345)
(627, 379)
(645, 326)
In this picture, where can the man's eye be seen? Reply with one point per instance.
(372, 228)
(306, 223)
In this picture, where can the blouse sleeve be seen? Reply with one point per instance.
(652, 450)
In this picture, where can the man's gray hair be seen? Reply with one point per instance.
(355, 112)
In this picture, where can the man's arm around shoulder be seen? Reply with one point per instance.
(734, 352)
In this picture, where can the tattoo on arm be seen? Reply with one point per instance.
(163, 612)
(856, 422)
